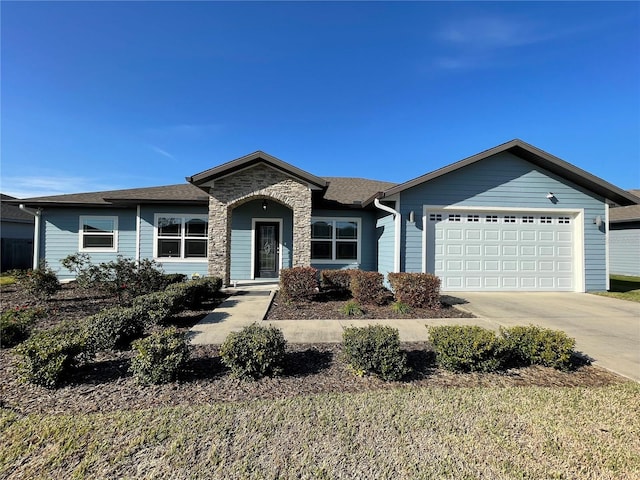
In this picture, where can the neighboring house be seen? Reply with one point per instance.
(510, 218)
(624, 239)
(16, 236)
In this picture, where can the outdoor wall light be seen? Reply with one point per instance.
(264, 205)
(412, 216)
(551, 195)
(597, 221)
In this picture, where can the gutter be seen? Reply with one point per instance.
(398, 225)
(36, 233)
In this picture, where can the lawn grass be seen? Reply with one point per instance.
(623, 287)
(461, 433)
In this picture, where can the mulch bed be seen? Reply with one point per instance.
(328, 306)
(105, 384)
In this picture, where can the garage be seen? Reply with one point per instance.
(496, 250)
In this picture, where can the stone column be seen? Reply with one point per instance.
(302, 229)
(219, 240)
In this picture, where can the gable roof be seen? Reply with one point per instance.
(11, 213)
(253, 159)
(181, 193)
(630, 213)
(537, 157)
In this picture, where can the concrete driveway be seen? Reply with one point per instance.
(606, 329)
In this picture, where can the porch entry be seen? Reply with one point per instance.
(267, 254)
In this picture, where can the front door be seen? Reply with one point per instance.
(267, 250)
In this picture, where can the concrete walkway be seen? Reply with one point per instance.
(605, 329)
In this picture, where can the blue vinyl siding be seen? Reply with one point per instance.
(505, 180)
(386, 244)
(368, 239)
(147, 228)
(624, 249)
(60, 236)
(241, 235)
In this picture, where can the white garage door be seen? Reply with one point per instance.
(497, 251)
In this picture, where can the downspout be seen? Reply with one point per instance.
(398, 226)
(36, 233)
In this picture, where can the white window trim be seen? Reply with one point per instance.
(81, 234)
(577, 215)
(358, 241)
(183, 217)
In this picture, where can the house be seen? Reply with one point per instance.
(510, 218)
(624, 239)
(16, 236)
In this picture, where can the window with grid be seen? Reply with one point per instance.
(98, 233)
(181, 237)
(335, 239)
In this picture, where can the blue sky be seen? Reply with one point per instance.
(101, 96)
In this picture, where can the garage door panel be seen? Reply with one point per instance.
(493, 251)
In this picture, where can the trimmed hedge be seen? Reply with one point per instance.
(160, 357)
(368, 288)
(299, 283)
(48, 355)
(115, 328)
(254, 352)
(463, 348)
(336, 279)
(192, 294)
(16, 325)
(158, 306)
(418, 290)
(375, 349)
(534, 345)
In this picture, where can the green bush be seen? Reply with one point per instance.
(534, 345)
(254, 352)
(462, 348)
(400, 308)
(299, 283)
(171, 278)
(48, 355)
(160, 357)
(192, 294)
(418, 290)
(158, 306)
(351, 309)
(115, 328)
(367, 288)
(16, 324)
(41, 283)
(375, 349)
(336, 279)
(124, 277)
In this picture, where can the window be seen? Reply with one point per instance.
(435, 217)
(509, 219)
(98, 234)
(473, 218)
(564, 220)
(491, 218)
(545, 219)
(527, 219)
(181, 237)
(454, 217)
(335, 239)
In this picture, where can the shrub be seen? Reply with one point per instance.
(254, 352)
(41, 283)
(351, 309)
(115, 328)
(48, 355)
(400, 308)
(194, 293)
(16, 324)
(466, 348)
(418, 290)
(158, 306)
(125, 278)
(299, 283)
(336, 279)
(367, 288)
(160, 357)
(534, 345)
(171, 278)
(375, 349)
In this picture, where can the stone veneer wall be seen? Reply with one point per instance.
(260, 181)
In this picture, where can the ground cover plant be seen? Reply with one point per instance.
(624, 288)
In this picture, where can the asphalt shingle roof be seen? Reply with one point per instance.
(349, 191)
(12, 212)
